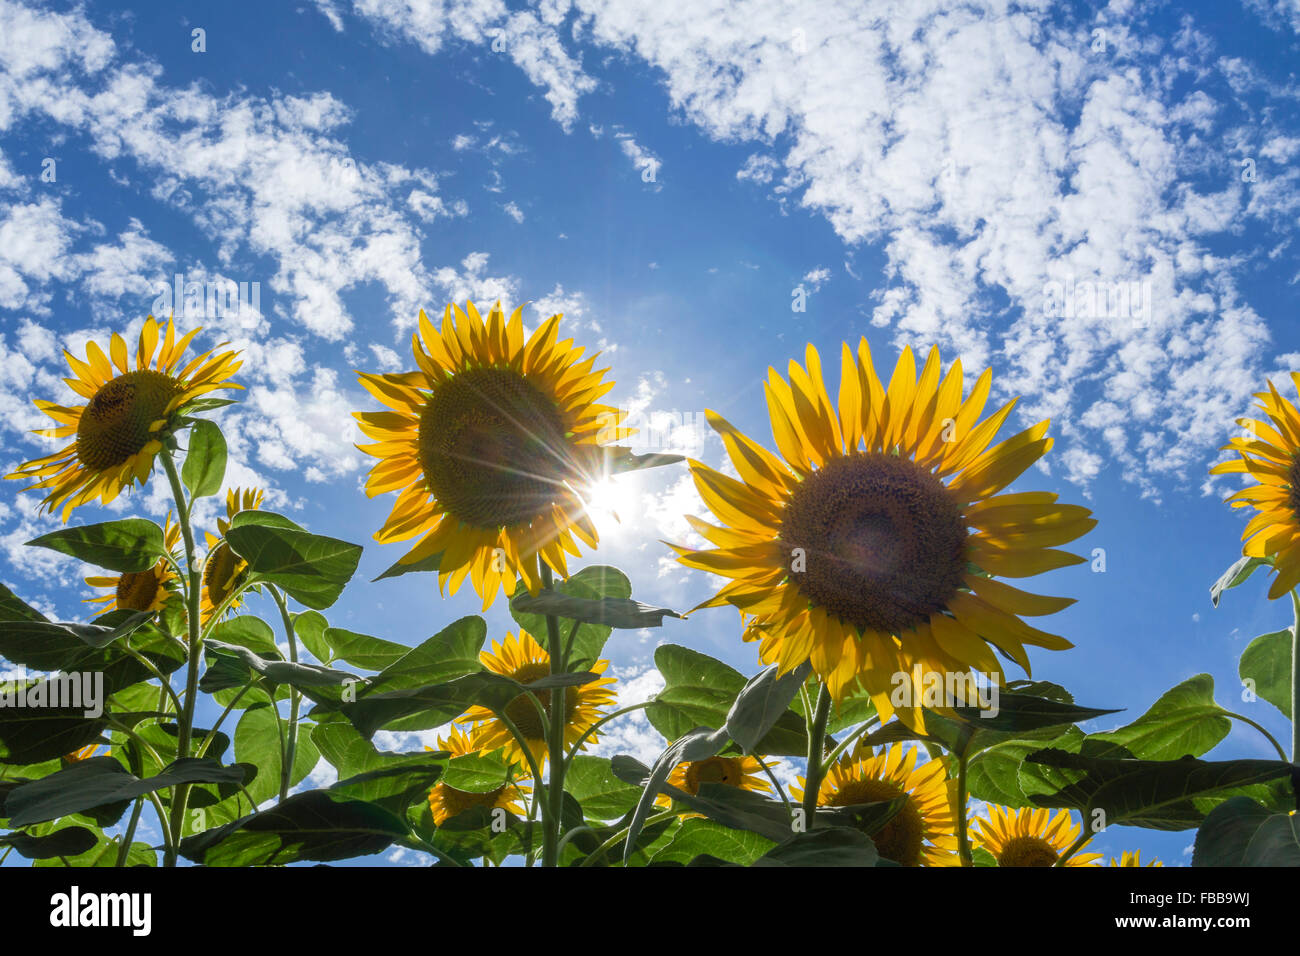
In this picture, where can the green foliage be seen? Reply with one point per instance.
(131, 544)
(205, 465)
(1266, 663)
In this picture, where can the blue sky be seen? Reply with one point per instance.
(668, 175)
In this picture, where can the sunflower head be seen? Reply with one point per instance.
(1132, 858)
(871, 543)
(1030, 837)
(223, 571)
(523, 660)
(492, 445)
(447, 802)
(921, 832)
(742, 772)
(1268, 451)
(145, 590)
(129, 414)
(85, 753)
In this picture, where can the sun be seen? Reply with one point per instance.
(613, 504)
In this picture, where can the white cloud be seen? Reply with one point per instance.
(514, 212)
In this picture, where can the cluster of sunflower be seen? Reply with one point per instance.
(865, 555)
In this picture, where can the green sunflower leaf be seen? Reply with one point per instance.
(475, 773)
(310, 626)
(1236, 575)
(30, 735)
(69, 841)
(257, 742)
(452, 652)
(100, 781)
(431, 563)
(621, 459)
(128, 545)
(593, 784)
(1266, 663)
(596, 584)
(423, 708)
(14, 608)
(310, 568)
(316, 826)
(362, 650)
(49, 647)
(205, 464)
(836, 846)
(1159, 794)
(305, 677)
(621, 613)
(395, 781)
(698, 837)
(1185, 720)
(699, 691)
(1241, 832)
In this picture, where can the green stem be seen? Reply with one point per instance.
(1295, 679)
(295, 698)
(963, 837)
(554, 809)
(165, 687)
(186, 721)
(843, 745)
(780, 790)
(573, 751)
(124, 851)
(1271, 739)
(621, 835)
(816, 746)
(207, 741)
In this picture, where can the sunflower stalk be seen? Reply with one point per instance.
(816, 747)
(554, 810)
(295, 697)
(193, 582)
(1295, 679)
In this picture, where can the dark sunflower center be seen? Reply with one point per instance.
(902, 838)
(136, 590)
(456, 802)
(115, 423)
(220, 574)
(1293, 476)
(492, 447)
(881, 544)
(1027, 851)
(714, 770)
(523, 712)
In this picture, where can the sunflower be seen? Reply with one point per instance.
(146, 590)
(447, 802)
(1030, 837)
(223, 569)
(1132, 858)
(524, 660)
(492, 445)
(854, 548)
(1270, 454)
(746, 773)
(85, 753)
(128, 415)
(921, 833)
